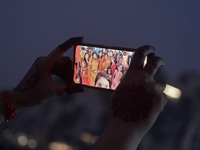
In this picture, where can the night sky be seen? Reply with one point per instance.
(33, 28)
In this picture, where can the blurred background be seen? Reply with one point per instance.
(33, 28)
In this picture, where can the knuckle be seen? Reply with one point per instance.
(38, 59)
(161, 100)
(154, 88)
(159, 61)
(140, 52)
(152, 64)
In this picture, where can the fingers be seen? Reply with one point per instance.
(153, 64)
(137, 61)
(69, 43)
(63, 89)
(61, 49)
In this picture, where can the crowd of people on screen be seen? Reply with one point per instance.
(102, 67)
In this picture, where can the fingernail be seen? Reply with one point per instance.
(163, 64)
(70, 42)
(149, 47)
(76, 40)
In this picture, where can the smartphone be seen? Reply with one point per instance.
(100, 66)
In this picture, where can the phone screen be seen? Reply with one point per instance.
(100, 67)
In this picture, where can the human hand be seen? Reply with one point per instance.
(135, 104)
(141, 95)
(37, 86)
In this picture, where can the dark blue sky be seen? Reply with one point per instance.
(33, 28)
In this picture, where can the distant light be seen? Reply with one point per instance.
(8, 133)
(59, 146)
(88, 138)
(22, 140)
(172, 92)
(32, 143)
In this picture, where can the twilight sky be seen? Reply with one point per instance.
(33, 28)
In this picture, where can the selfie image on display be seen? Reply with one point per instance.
(100, 67)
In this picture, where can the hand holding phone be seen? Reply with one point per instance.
(135, 104)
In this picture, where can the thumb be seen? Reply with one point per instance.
(63, 89)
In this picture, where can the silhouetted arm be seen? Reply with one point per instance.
(37, 85)
(135, 104)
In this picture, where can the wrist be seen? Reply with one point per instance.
(7, 108)
(119, 135)
(16, 100)
(2, 114)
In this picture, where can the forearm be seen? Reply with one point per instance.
(16, 98)
(119, 135)
(117, 140)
